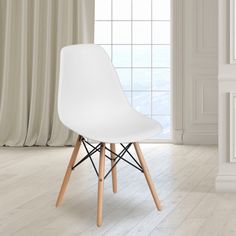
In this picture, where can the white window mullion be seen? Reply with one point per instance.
(136, 35)
(131, 52)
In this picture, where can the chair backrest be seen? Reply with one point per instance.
(88, 83)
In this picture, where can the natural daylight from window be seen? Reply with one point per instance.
(136, 36)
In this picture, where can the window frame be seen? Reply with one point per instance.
(152, 67)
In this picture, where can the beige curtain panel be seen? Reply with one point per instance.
(32, 32)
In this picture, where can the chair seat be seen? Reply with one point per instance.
(91, 101)
(129, 126)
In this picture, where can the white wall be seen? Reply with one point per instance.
(226, 179)
(195, 86)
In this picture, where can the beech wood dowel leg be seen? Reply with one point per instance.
(68, 171)
(100, 184)
(114, 173)
(147, 175)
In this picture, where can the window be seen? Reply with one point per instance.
(136, 36)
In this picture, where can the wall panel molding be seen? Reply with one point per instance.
(232, 128)
(206, 28)
(200, 87)
(205, 99)
(226, 178)
(232, 46)
(177, 71)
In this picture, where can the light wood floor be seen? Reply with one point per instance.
(183, 175)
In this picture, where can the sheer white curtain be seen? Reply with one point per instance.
(32, 32)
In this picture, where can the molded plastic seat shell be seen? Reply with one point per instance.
(91, 101)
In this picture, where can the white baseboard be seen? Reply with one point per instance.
(178, 136)
(200, 138)
(225, 183)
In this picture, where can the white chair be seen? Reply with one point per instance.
(92, 104)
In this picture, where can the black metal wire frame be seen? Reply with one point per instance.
(117, 158)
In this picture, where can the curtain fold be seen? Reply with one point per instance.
(32, 32)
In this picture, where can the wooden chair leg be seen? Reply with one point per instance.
(68, 171)
(147, 175)
(114, 173)
(100, 184)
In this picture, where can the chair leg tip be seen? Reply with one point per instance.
(99, 224)
(58, 203)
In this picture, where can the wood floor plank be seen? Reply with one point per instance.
(184, 179)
